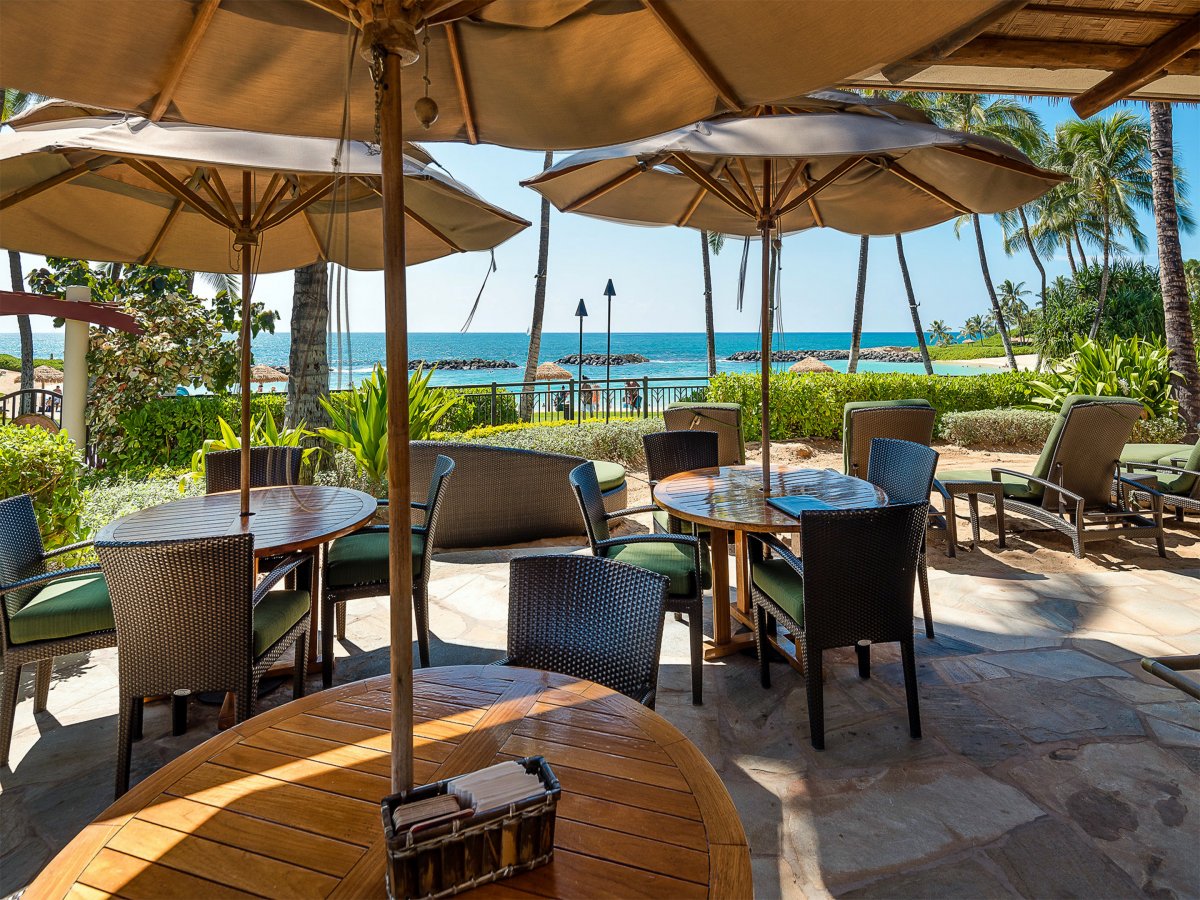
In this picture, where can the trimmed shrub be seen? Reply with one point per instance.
(46, 466)
(998, 429)
(810, 404)
(13, 363)
(474, 409)
(619, 440)
(1163, 430)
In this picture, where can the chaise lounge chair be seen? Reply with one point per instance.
(1175, 470)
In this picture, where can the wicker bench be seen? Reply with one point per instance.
(502, 495)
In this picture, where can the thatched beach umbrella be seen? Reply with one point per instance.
(47, 375)
(810, 364)
(260, 374)
(551, 371)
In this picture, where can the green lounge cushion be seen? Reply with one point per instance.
(1167, 455)
(1154, 453)
(783, 584)
(855, 405)
(675, 560)
(1042, 467)
(274, 614)
(363, 558)
(1014, 488)
(609, 474)
(75, 605)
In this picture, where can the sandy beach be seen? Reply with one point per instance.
(1025, 362)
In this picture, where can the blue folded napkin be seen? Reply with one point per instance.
(794, 505)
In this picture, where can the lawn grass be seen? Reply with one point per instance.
(991, 346)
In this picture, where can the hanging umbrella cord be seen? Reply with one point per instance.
(488, 274)
(341, 192)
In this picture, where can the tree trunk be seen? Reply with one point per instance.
(539, 301)
(1083, 260)
(25, 328)
(912, 307)
(1180, 338)
(1037, 261)
(308, 359)
(1103, 296)
(987, 280)
(1071, 258)
(709, 333)
(860, 295)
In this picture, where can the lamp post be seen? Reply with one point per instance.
(581, 314)
(609, 292)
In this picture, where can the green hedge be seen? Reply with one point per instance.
(46, 466)
(474, 409)
(619, 440)
(810, 405)
(13, 363)
(167, 431)
(1028, 429)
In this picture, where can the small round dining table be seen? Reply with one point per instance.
(287, 804)
(730, 499)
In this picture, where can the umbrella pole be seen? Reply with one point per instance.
(248, 244)
(764, 229)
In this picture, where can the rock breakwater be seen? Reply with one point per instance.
(874, 354)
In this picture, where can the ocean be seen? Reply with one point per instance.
(671, 354)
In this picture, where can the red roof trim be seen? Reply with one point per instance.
(19, 303)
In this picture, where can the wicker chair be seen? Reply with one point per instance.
(723, 418)
(855, 583)
(1173, 470)
(904, 470)
(677, 556)
(865, 420)
(189, 616)
(269, 467)
(43, 613)
(671, 452)
(1071, 485)
(588, 618)
(357, 566)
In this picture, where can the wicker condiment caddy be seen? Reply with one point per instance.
(467, 853)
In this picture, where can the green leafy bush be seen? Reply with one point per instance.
(167, 431)
(1124, 367)
(474, 409)
(263, 433)
(13, 363)
(1133, 306)
(46, 466)
(1163, 430)
(810, 404)
(619, 440)
(1000, 429)
(113, 497)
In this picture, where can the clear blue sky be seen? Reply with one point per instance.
(657, 271)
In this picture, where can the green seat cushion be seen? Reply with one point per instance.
(609, 474)
(783, 584)
(75, 605)
(1042, 467)
(854, 405)
(275, 614)
(1154, 453)
(1014, 488)
(363, 558)
(676, 561)
(662, 520)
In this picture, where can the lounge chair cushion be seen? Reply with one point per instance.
(676, 561)
(363, 558)
(1041, 469)
(75, 605)
(1168, 455)
(274, 614)
(854, 405)
(783, 584)
(609, 474)
(1014, 488)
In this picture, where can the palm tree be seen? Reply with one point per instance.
(939, 332)
(16, 102)
(710, 240)
(912, 306)
(308, 355)
(539, 299)
(1004, 119)
(859, 296)
(1180, 337)
(1012, 304)
(974, 326)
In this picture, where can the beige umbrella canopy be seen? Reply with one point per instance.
(550, 371)
(260, 374)
(810, 364)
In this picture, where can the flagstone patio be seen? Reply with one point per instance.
(1051, 764)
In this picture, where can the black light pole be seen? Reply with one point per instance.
(581, 314)
(609, 292)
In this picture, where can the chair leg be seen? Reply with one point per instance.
(135, 723)
(245, 700)
(863, 651)
(340, 609)
(1159, 535)
(41, 683)
(421, 609)
(327, 614)
(696, 638)
(128, 710)
(760, 644)
(8, 708)
(951, 528)
(814, 683)
(1000, 526)
(909, 661)
(301, 670)
(973, 507)
(923, 584)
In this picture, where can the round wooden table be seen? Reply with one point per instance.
(287, 803)
(730, 499)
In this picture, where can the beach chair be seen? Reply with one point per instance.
(865, 420)
(1171, 469)
(723, 418)
(1070, 488)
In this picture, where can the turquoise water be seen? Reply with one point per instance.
(670, 354)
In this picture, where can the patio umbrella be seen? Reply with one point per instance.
(835, 160)
(550, 371)
(810, 364)
(47, 375)
(260, 374)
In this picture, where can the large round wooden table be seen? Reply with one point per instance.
(730, 499)
(287, 803)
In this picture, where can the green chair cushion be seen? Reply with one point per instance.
(1042, 467)
(1014, 488)
(274, 614)
(854, 405)
(783, 584)
(676, 561)
(363, 558)
(71, 606)
(609, 474)
(662, 520)
(1154, 453)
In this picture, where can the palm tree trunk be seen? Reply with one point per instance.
(709, 333)
(1071, 258)
(912, 307)
(1180, 338)
(1083, 260)
(25, 328)
(987, 280)
(860, 295)
(539, 301)
(1037, 261)
(1099, 317)
(308, 358)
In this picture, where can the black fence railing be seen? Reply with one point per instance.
(34, 400)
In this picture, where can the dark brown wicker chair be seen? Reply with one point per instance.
(357, 566)
(43, 613)
(723, 418)
(671, 452)
(679, 557)
(1175, 474)
(189, 616)
(588, 618)
(269, 467)
(865, 420)
(904, 470)
(854, 584)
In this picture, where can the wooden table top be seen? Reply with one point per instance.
(296, 517)
(731, 497)
(287, 803)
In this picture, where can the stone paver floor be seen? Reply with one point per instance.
(1051, 764)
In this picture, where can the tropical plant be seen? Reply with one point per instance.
(1012, 303)
(263, 433)
(1124, 367)
(539, 299)
(860, 294)
(974, 326)
(939, 333)
(47, 467)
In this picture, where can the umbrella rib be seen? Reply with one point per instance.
(434, 231)
(758, 205)
(692, 50)
(460, 79)
(812, 190)
(692, 207)
(271, 196)
(782, 193)
(1003, 162)
(53, 181)
(812, 203)
(215, 185)
(749, 198)
(166, 180)
(704, 179)
(902, 173)
(611, 184)
(306, 199)
(312, 229)
(176, 208)
(204, 16)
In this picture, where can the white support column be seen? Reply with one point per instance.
(75, 374)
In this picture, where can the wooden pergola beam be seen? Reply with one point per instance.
(1004, 52)
(1149, 66)
(460, 80)
(943, 47)
(703, 64)
(204, 16)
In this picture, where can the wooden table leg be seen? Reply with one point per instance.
(741, 553)
(719, 542)
(725, 612)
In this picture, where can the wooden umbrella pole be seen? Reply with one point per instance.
(764, 229)
(248, 243)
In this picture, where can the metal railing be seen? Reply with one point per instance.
(32, 400)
